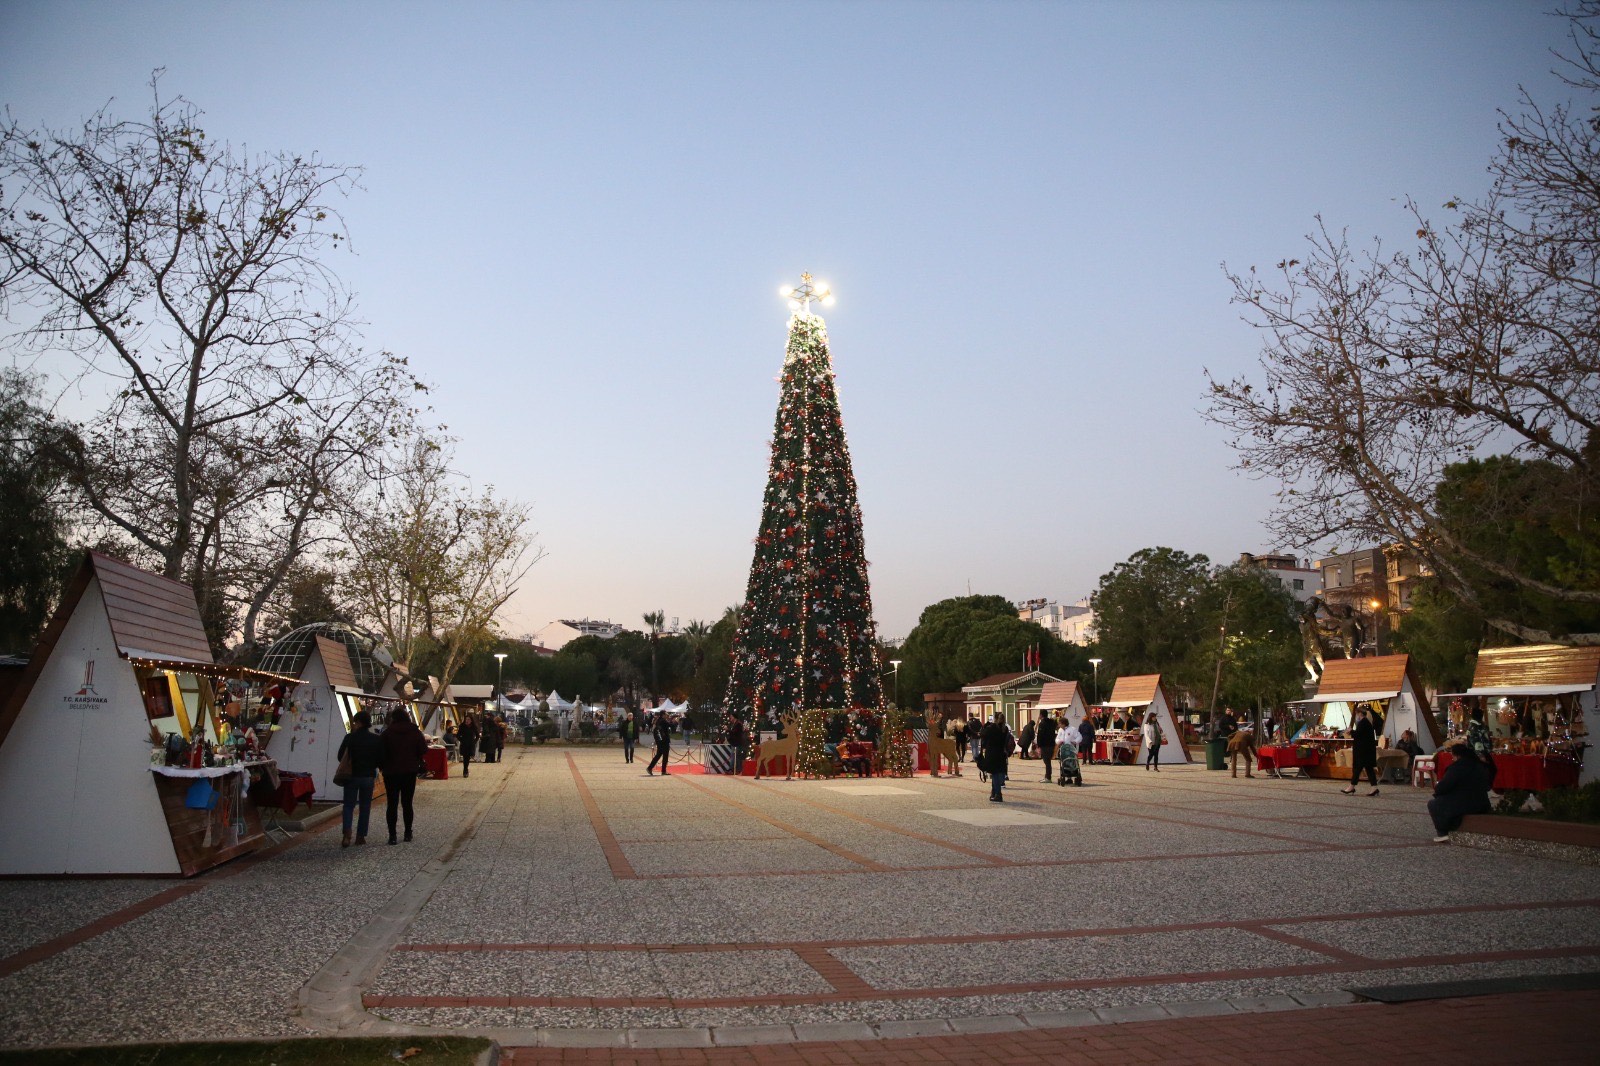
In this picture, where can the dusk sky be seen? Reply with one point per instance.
(576, 217)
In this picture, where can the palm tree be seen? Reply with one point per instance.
(654, 619)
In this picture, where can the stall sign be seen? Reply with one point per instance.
(86, 698)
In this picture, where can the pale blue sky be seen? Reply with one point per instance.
(576, 218)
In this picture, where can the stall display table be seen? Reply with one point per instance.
(204, 836)
(1121, 752)
(1531, 773)
(1276, 758)
(437, 762)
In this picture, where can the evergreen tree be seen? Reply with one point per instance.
(35, 558)
(806, 638)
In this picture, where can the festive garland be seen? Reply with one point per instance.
(899, 752)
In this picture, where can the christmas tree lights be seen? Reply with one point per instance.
(806, 637)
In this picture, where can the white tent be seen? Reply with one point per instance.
(1144, 693)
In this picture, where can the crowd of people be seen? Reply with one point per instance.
(398, 753)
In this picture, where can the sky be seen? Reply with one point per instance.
(575, 219)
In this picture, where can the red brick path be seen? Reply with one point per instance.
(1550, 1028)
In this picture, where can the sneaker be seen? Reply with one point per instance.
(1442, 840)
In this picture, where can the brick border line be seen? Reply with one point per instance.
(1360, 965)
(1248, 924)
(868, 865)
(872, 823)
(1305, 943)
(47, 949)
(616, 858)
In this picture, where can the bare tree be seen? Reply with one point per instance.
(1379, 371)
(430, 565)
(188, 280)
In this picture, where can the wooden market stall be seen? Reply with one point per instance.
(315, 724)
(1538, 701)
(1140, 695)
(1388, 687)
(1064, 699)
(123, 666)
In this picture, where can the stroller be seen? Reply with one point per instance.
(1070, 771)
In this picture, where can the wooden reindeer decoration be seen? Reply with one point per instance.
(941, 746)
(787, 748)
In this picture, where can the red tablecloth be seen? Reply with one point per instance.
(437, 760)
(292, 789)
(1286, 757)
(1533, 773)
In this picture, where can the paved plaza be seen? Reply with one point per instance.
(562, 899)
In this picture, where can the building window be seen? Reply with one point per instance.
(1299, 584)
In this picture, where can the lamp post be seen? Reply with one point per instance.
(896, 664)
(1096, 664)
(499, 674)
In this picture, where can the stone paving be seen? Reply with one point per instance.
(564, 899)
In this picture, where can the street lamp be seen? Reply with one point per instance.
(1096, 664)
(499, 673)
(896, 664)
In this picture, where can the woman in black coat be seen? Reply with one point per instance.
(1462, 790)
(995, 750)
(468, 737)
(1363, 753)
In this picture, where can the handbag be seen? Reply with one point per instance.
(342, 776)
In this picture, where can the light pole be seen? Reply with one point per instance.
(499, 674)
(896, 664)
(1096, 664)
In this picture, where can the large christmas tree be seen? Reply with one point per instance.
(806, 637)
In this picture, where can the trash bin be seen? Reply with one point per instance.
(1217, 754)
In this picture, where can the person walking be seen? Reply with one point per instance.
(739, 740)
(1363, 753)
(662, 731)
(1153, 739)
(1243, 742)
(404, 750)
(628, 730)
(467, 736)
(1027, 740)
(967, 739)
(1463, 789)
(1086, 740)
(1045, 737)
(365, 751)
(996, 742)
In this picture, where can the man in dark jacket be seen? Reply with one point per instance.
(662, 731)
(995, 744)
(1027, 739)
(1045, 737)
(404, 749)
(1462, 790)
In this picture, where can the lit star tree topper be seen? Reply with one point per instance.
(806, 637)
